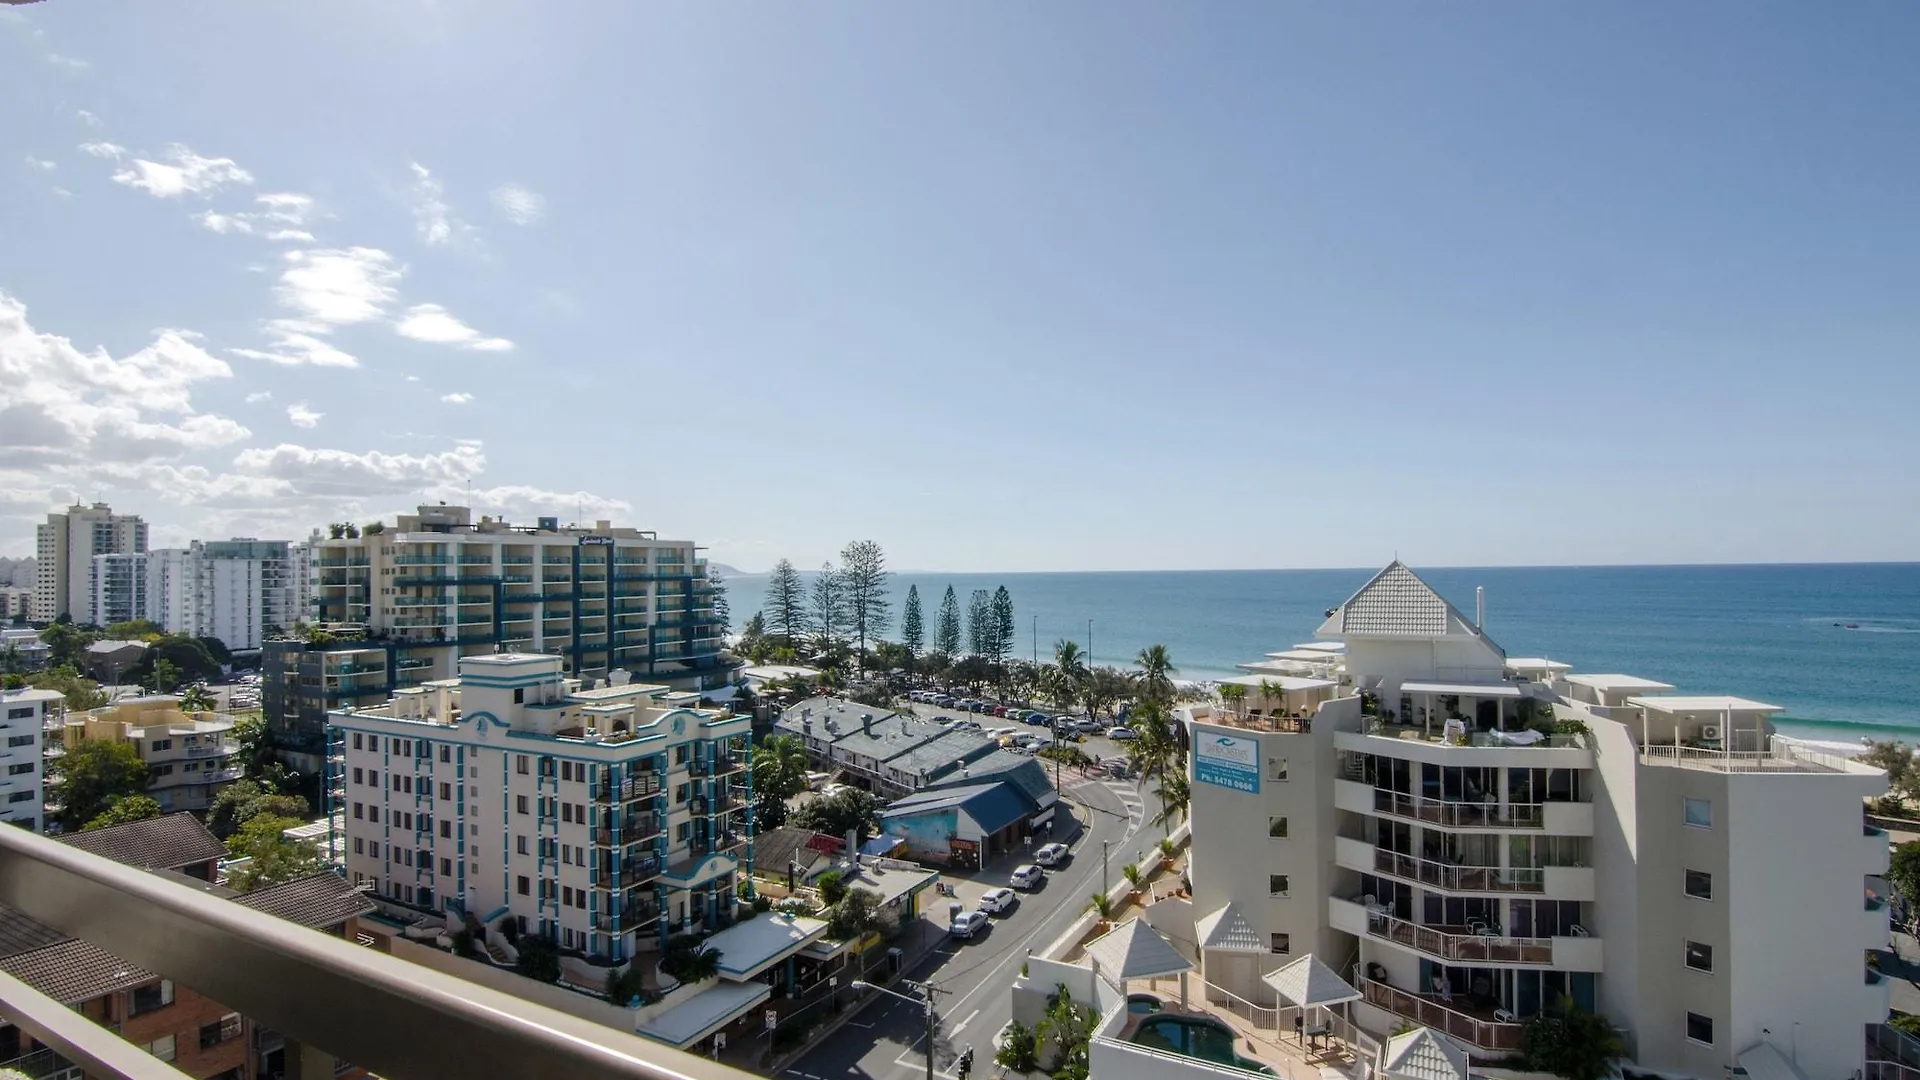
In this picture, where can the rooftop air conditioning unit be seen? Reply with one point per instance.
(1710, 731)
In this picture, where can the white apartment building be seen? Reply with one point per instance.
(116, 590)
(235, 590)
(23, 719)
(601, 818)
(439, 586)
(65, 547)
(1471, 838)
(189, 756)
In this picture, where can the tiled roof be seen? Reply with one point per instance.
(775, 848)
(1395, 603)
(317, 901)
(19, 934)
(75, 971)
(163, 843)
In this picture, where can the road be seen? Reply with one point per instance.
(886, 1039)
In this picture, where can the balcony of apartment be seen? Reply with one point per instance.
(516, 560)
(1523, 748)
(636, 872)
(475, 598)
(1553, 882)
(476, 558)
(412, 559)
(1557, 818)
(1457, 945)
(428, 577)
(325, 999)
(635, 915)
(1778, 757)
(1489, 1030)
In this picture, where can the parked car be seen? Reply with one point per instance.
(960, 725)
(1087, 725)
(943, 701)
(967, 923)
(999, 710)
(1121, 734)
(998, 901)
(1051, 854)
(1037, 718)
(1027, 876)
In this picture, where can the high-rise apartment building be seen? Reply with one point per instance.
(437, 586)
(116, 590)
(65, 547)
(1477, 837)
(24, 715)
(235, 590)
(599, 818)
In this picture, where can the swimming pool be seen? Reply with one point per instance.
(1195, 1037)
(1142, 1004)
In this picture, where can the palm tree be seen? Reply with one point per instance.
(1132, 874)
(1156, 673)
(1102, 906)
(196, 698)
(1272, 697)
(1234, 697)
(1175, 797)
(780, 767)
(1154, 748)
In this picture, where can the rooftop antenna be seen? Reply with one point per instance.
(1479, 607)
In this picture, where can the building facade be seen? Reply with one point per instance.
(65, 546)
(116, 590)
(602, 818)
(301, 681)
(24, 715)
(238, 591)
(1485, 837)
(189, 757)
(441, 586)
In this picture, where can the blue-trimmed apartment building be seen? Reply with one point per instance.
(602, 818)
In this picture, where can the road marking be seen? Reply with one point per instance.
(855, 1023)
(962, 1025)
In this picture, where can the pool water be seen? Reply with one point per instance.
(1142, 1004)
(1195, 1037)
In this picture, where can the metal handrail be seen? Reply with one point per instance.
(397, 1019)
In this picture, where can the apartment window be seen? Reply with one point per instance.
(566, 854)
(373, 777)
(19, 740)
(150, 997)
(1281, 943)
(680, 754)
(161, 1048)
(425, 859)
(21, 769)
(446, 755)
(446, 830)
(358, 848)
(395, 777)
(519, 804)
(356, 744)
(446, 791)
(1699, 813)
(520, 844)
(219, 1031)
(1700, 1029)
(406, 820)
(520, 764)
(680, 794)
(567, 937)
(566, 812)
(1276, 884)
(1700, 957)
(20, 714)
(356, 810)
(1276, 768)
(1699, 884)
(406, 784)
(681, 832)
(580, 898)
(1277, 828)
(566, 895)
(162, 744)
(357, 778)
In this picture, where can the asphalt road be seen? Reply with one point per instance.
(886, 1039)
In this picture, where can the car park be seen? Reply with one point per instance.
(1087, 725)
(1051, 854)
(943, 701)
(967, 923)
(1121, 734)
(1027, 876)
(998, 901)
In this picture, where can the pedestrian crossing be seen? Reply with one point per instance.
(1124, 790)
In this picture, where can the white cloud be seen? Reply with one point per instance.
(458, 397)
(301, 416)
(413, 378)
(62, 192)
(434, 324)
(369, 473)
(87, 118)
(113, 151)
(70, 411)
(258, 396)
(69, 62)
(517, 204)
(285, 207)
(433, 218)
(188, 174)
(521, 502)
(291, 234)
(338, 286)
(40, 163)
(293, 349)
(276, 210)
(223, 223)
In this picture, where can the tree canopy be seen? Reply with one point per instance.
(127, 809)
(271, 857)
(243, 800)
(946, 638)
(188, 657)
(81, 692)
(95, 775)
(848, 808)
(863, 579)
(913, 628)
(786, 604)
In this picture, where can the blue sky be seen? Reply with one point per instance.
(1001, 286)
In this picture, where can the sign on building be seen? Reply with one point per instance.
(1227, 761)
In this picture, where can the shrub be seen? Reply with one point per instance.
(1019, 1051)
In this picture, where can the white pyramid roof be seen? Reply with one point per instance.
(1229, 930)
(1397, 604)
(1134, 950)
(1422, 1055)
(1307, 982)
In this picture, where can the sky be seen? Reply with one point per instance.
(1001, 286)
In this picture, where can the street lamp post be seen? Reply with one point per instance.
(925, 988)
(1104, 886)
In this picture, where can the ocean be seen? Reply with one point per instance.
(1837, 646)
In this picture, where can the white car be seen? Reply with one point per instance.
(998, 901)
(1028, 876)
(967, 923)
(1121, 734)
(1050, 854)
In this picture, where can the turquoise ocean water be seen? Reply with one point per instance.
(1837, 646)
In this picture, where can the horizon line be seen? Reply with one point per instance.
(1375, 569)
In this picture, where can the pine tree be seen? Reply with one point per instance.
(717, 590)
(1002, 625)
(829, 605)
(913, 632)
(786, 604)
(980, 634)
(947, 640)
(863, 581)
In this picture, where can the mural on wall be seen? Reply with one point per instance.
(925, 834)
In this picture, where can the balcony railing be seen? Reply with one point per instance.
(398, 1019)
(1458, 943)
(1459, 878)
(1481, 1034)
(1467, 815)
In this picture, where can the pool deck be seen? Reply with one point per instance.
(1334, 1060)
